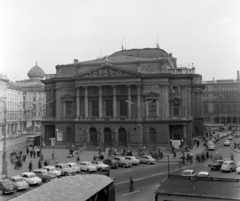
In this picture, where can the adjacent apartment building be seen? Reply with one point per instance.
(132, 98)
(221, 102)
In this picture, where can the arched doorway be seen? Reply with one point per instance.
(93, 136)
(152, 138)
(217, 120)
(107, 137)
(122, 136)
(70, 139)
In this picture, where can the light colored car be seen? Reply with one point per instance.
(238, 168)
(226, 143)
(188, 173)
(74, 166)
(229, 166)
(52, 170)
(100, 165)
(147, 159)
(132, 159)
(19, 182)
(31, 178)
(122, 162)
(65, 170)
(87, 166)
(211, 146)
(230, 137)
(203, 174)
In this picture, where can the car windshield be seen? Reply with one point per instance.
(44, 172)
(7, 182)
(32, 176)
(18, 180)
(188, 173)
(226, 163)
(63, 166)
(87, 164)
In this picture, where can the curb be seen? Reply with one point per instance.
(236, 151)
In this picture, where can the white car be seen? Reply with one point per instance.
(74, 166)
(19, 182)
(100, 165)
(203, 174)
(52, 170)
(230, 137)
(147, 159)
(188, 173)
(31, 178)
(211, 146)
(132, 159)
(87, 166)
(238, 168)
(226, 143)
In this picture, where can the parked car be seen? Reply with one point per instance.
(7, 186)
(238, 167)
(132, 159)
(203, 174)
(230, 137)
(226, 143)
(52, 170)
(43, 174)
(111, 162)
(122, 162)
(100, 165)
(237, 135)
(74, 166)
(31, 178)
(216, 165)
(147, 159)
(211, 146)
(87, 166)
(65, 170)
(19, 182)
(188, 173)
(229, 166)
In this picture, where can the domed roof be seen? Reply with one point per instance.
(36, 72)
(142, 53)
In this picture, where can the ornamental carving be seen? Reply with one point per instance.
(66, 72)
(150, 68)
(106, 72)
(146, 87)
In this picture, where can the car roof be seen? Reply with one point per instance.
(61, 164)
(16, 177)
(28, 173)
(71, 163)
(203, 172)
(85, 162)
(228, 161)
(49, 166)
(188, 170)
(39, 170)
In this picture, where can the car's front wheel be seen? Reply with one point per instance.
(88, 170)
(47, 180)
(65, 174)
(124, 165)
(100, 169)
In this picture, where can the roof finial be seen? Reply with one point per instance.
(122, 43)
(36, 62)
(157, 41)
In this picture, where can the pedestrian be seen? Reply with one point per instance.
(30, 152)
(41, 157)
(38, 152)
(34, 153)
(78, 159)
(39, 164)
(30, 166)
(53, 155)
(94, 157)
(45, 163)
(27, 151)
(131, 185)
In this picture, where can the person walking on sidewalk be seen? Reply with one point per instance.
(39, 164)
(30, 166)
(34, 153)
(53, 155)
(45, 163)
(78, 159)
(131, 185)
(27, 151)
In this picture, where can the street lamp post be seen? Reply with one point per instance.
(168, 165)
(139, 122)
(4, 154)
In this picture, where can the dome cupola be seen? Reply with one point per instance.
(36, 73)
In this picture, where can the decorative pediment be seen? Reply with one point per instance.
(67, 96)
(107, 71)
(151, 94)
(175, 100)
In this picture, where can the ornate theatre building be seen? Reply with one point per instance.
(133, 98)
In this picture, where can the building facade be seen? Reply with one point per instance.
(133, 98)
(221, 102)
(34, 97)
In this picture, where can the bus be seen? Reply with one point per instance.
(34, 140)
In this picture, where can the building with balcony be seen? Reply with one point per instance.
(221, 101)
(133, 98)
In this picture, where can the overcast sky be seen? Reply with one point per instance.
(52, 32)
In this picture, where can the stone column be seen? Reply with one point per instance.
(114, 102)
(77, 103)
(86, 101)
(129, 99)
(100, 102)
(165, 101)
(139, 100)
(147, 113)
(157, 112)
(189, 101)
(64, 109)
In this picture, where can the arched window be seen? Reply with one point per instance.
(228, 109)
(152, 108)
(152, 136)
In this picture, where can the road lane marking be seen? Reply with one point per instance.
(125, 171)
(131, 193)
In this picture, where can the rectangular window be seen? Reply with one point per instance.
(152, 109)
(69, 109)
(109, 108)
(95, 108)
(176, 110)
(123, 108)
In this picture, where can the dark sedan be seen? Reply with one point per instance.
(6, 186)
(43, 174)
(111, 162)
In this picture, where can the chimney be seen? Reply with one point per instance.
(75, 61)
(238, 78)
